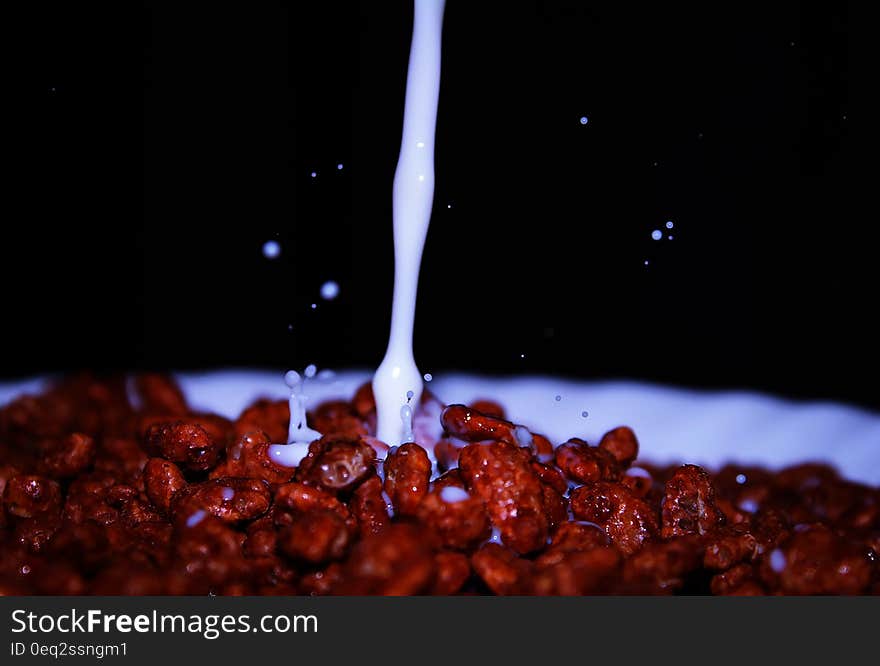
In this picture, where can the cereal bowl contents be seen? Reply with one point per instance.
(111, 487)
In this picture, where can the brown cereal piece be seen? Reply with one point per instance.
(321, 582)
(577, 573)
(207, 555)
(315, 537)
(336, 464)
(500, 475)
(622, 444)
(67, 457)
(160, 394)
(663, 566)
(817, 561)
(732, 515)
(36, 532)
(135, 511)
(770, 528)
(29, 496)
(627, 520)
(162, 479)
(802, 477)
(736, 581)
(231, 499)
(407, 476)
(446, 452)
(262, 539)
(121, 458)
(450, 478)
(379, 447)
(729, 546)
(638, 481)
(572, 537)
(369, 507)
(187, 444)
(541, 448)
(577, 535)
(689, 505)
(550, 476)
(338, 417)
(363, 402)
(148, 540)
(502, 570)
(453, 571)
(397, 562)
(273, 575)
(87, 501)
(459, 523)
(269, 416)
(583, 463)
(249, 456)
(555, 507)
(294, 498)
(472, 425)
(489, 408)
(832, 500)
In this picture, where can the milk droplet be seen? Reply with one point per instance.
(329, 290)
(669, 224)
(314, 306)
(749, 505)
(740, 479)
(453, 494)
(777, 560)
(271, 249)
(195, 518)
(585, 414)
(584, 120)
(228, 494)
(656, 234)
(339, 166)
(292, 379)
(670, 237)
(314, 174)
(428, 377)
(310, 371)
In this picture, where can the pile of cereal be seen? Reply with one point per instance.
(102, 497)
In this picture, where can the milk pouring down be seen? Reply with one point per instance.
(398, 377)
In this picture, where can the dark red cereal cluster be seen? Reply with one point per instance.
(115, 487)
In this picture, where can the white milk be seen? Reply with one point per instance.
(299, 435)
(413, 195)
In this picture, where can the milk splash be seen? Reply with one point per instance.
(412, 197)
(299, 435)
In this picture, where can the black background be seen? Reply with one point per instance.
(159, 149)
